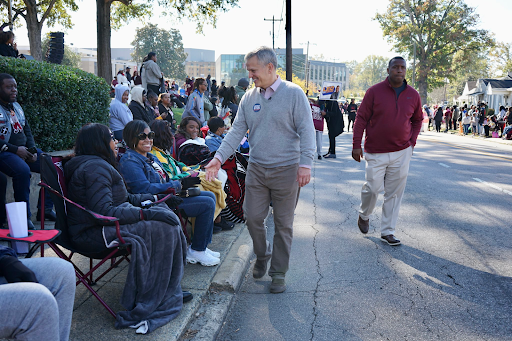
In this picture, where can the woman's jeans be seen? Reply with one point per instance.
(202, 207)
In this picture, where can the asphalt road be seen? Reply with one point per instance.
(451, 279)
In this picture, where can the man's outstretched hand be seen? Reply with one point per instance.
(357, 154)
(211, 169)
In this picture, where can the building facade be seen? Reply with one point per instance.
(200, 63)
(326, 71)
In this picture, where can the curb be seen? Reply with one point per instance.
(209, 318)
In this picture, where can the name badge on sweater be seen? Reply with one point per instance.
(256, 107)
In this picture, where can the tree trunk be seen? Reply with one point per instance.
(104, 60)
(422, 89)
(34, 30)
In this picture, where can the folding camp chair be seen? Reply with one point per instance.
(52, 180)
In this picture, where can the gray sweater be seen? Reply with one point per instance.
(281, 128)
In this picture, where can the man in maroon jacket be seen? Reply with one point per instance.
(392, 117)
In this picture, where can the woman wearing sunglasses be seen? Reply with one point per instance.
(144, 173)
(95, 183)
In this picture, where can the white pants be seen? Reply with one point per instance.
(388, 172)
(319, 142)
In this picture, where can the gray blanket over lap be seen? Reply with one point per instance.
(153, 285)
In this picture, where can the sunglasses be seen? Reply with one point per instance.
(143, 136)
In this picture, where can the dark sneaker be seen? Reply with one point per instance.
(278, 285)
(364, 225)
(330, 156)
(187, 296)
(391, 240)
(260, 268)
(49, 214)
(216, 228)
(319, 157)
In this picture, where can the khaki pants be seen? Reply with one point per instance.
(388, 172)
(278, 185)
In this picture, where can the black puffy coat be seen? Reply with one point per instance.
(140, 112)
(96, 185)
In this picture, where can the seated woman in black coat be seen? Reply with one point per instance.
(138, 106)
(7, 45)
(152, 294)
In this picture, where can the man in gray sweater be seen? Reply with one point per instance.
(282, 137)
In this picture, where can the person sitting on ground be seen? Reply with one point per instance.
(121, 78)
(138, 105)
(152, 293)
(190, 148)
(144, 173)
(162, 144)
(165, 106)
(215, 134)
(18, 153)
(8, 47)
(176, 97)
(195, 102)
(120, 114)
(152, 103)
(36, 296)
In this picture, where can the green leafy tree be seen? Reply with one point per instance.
(111, 13)
(370, 71)
(439, 28)
(36, 13)
(501, 59)
(70, 58)
(467, 66)
(167, 45)
(351, 67)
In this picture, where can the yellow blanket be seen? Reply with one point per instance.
(216, 188)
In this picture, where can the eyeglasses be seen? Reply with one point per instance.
(143, 136)
(112, 136)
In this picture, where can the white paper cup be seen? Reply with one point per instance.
(17, 218)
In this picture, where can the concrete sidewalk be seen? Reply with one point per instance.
(92, 322)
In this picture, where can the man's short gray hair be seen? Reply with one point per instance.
(265, 56)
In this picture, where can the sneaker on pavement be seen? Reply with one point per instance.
(330, 156)
(278, 285)
(260, 268)
(212, 253)
(391, 240)
(364, 225)
(201, 257)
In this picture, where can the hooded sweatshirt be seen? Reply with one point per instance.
(137, 107)
(120, 114)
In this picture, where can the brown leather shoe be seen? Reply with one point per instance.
(364, 225)
(260, 268)
(391, 240)
(278, 285)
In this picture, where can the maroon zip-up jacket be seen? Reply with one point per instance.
(391, 123)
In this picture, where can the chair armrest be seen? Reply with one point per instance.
(103, 220)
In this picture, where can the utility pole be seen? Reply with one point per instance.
(273, 21)
(306, 66)
(289, 40)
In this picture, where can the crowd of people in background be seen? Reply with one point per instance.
(477, 120)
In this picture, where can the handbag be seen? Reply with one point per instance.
(190, 192)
